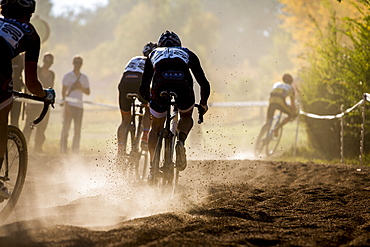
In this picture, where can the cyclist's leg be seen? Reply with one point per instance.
(124, 87)
(287, 110)
(4, 115)
(186, 123)
(146, 120)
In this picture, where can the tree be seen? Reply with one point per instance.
(334, 71)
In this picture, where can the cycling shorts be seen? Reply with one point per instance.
(278, 103)
(185, 97)
(129, 83)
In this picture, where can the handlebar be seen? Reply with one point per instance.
(200, 112)
(36, 98)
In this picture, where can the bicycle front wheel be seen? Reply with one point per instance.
(273, 141)
(13, 170)
(261, 140)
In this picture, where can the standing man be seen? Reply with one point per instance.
(75, 84)
(18, 85)
(46, 77)
(168, 69)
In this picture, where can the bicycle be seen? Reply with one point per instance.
(269, 136)
(14, 168)
(164, 173)
(136, 157)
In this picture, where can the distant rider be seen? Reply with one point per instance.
(17, 35)
(168, 69)
(130, 83)
(280, 92)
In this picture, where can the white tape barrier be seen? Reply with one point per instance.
(68, 99)
(239, 103)
(311, 115)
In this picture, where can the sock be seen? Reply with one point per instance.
(182, 136)
(145, 135)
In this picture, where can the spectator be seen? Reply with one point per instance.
(75, 84)
(18, 85)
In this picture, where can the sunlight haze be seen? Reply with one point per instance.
(59, 7)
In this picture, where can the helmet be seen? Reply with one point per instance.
(148, 48)
(287, 78)
(169, 39)
(17, 8)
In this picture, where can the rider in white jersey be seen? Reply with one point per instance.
(280, 92)
(130, 83)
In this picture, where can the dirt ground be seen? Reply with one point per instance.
(86, 202)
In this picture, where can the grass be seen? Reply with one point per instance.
(227, 133)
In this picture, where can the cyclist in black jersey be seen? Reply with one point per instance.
(130, 83)
(17, 35)
(168, 69)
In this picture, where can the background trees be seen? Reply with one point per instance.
(244, 46)
(333, 67)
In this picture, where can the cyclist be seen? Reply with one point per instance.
(130, 83)
(280, 91)
(168, 69)
(17, 35)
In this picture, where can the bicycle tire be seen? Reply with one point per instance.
(130, 153)
(158, 160)
(261, 140)
(16, 157)
(273, 142)
(168, 166)
(143, 165)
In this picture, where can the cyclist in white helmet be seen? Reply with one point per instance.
(130, 83)
(17, 35)
(280, 91)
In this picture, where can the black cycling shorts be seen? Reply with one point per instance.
(129, 83)
(185, 96)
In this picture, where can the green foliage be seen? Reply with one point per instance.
(338, 74)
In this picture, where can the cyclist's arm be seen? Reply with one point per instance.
(32, 82)
(146, 80)
(200, 77)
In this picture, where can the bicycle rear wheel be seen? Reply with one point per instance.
(13, 170)
(273, 141)
(163, 166)
(130, 154)
(261, 140)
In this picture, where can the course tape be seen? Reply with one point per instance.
(68, 99)
(340, 115)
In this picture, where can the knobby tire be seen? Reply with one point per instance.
(16, 157)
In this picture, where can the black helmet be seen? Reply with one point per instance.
(17, 8)
(169, 39)
(287, 78)
(148, 48)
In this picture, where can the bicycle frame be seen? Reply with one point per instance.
(267, 139)
(137, 128)
(15, 163)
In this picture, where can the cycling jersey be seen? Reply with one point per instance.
(281, 89)
(168, 69)
(15, 37)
